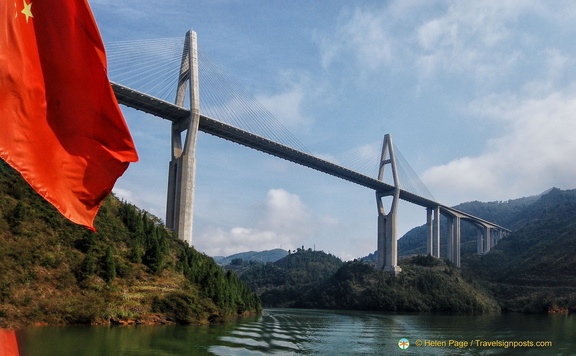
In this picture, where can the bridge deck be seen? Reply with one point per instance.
(174, 113)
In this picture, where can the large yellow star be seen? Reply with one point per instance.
(27, 11)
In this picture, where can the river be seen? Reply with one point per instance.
(317, 332)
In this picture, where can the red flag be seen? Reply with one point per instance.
(8, 343)
(60, 124)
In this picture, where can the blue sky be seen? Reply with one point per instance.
(479, 97)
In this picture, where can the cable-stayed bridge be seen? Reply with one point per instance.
(267, 135)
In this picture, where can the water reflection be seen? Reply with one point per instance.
(309, 332)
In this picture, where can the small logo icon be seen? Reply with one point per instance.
(403, 343)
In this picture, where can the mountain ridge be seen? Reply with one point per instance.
(512, 214)
(257, 256)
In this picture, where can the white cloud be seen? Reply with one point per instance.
(535, 151)
(464, 38)
(287, 106)
(554, 69)
(124, 194)
(481, 40)
(364, 34)
(282, 220)
(147, 201)
(285, 212)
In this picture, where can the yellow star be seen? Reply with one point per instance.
(27, 11)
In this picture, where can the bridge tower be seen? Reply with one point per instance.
(181, 175)
(387, 243)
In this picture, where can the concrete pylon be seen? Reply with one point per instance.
(436, 232)
(181, 176)
(454, 239)
(450, 244)
(387, 243)
(433, 231)
(487, 239)
(457, 241)
(479, 241)
(429, 232)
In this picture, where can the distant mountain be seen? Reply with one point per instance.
(314, 279)
(281, 283)
(426, 284)
(261, 256)
(534, 269)
(512, 214)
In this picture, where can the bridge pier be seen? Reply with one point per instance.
(487, 239)
(488, 236)
(436, 243)
(479, 242)
(387, 243)
(433, 231)
(450, 244)
(454, 239)
(182, 168)
(429, 232)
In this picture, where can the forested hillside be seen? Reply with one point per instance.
(314, 279)
(133, 270)
(512, 214)
(534, 269)
(280, 284)
(531, 270)
(425, 284)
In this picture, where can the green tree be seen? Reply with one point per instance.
(153, 257)
(88, 266)
(17, 216)
(109, 265)
(237, 262)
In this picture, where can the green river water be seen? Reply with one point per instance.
(315, 332)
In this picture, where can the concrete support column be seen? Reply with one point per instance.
(436, 232)
(456, 249)
(487, 239)
(450, 245)
(454, 239)
(182, 168)
(387, 243)
(479, 241)
(381, 251)
(429, 232)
